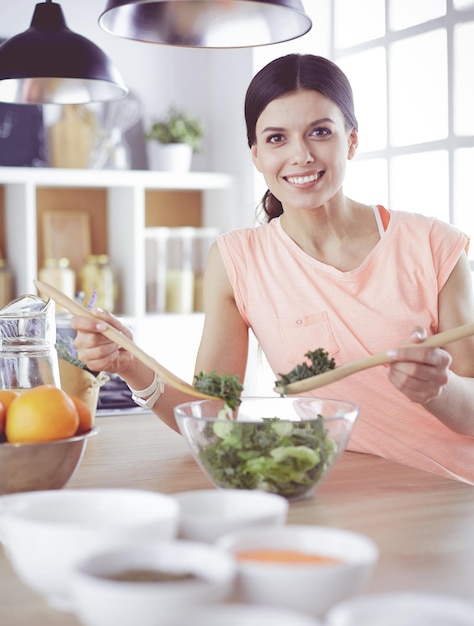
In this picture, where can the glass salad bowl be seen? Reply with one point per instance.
(279, 445)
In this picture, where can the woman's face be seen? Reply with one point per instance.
(302, 148)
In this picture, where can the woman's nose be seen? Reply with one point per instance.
(302, 153)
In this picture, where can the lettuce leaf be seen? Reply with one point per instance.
(281, 457)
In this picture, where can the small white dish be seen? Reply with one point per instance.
(46, 532)
(102, 600)
(305, 568)
(207, 514)
(402, 609)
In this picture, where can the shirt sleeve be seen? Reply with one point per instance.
(447, 244)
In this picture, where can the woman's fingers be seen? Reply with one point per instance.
(418, 372)
(418, 334)
(96, 350)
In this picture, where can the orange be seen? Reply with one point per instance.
(43, 413)
(7, 396)
(85, 416)
(3, 414)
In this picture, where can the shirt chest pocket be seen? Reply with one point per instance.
(304, 333)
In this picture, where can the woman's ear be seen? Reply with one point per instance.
(255, 158)
(353, 143)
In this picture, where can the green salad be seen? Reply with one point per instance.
(277, 456)
(274, 455)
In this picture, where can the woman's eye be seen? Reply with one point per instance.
(320, 132)
(276, 138)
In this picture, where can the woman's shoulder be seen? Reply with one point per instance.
(419, 221)
(420, 234)
(250, 234)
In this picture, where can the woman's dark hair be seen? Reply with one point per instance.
(287, 74)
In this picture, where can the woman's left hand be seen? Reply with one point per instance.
(418, 372)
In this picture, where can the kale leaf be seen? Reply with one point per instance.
(319, 363)
(227, 387)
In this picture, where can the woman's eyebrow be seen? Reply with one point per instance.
(279, 129)
(272, 129)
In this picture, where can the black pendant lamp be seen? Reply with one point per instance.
(206, 23)
(50, 64)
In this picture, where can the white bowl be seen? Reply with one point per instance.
(100, 600)
(402, 609)
(207, 514)
(244, 615)
(309, 587)
(46, 532)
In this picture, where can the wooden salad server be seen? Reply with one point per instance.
(382, 358)
(121, 340)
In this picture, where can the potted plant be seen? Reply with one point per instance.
(173, 139)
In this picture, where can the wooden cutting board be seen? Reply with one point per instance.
(72, 137)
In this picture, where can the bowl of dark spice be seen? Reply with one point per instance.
(148, 584)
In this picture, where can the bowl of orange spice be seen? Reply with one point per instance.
(43, 435)
(305, 568)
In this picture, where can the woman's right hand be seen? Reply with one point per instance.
(99, 353)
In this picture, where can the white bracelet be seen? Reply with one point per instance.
(154, 391)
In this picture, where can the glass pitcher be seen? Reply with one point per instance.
(28, 356)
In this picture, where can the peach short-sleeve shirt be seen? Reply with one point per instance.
(294, 303)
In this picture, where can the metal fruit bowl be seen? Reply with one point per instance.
(38, 466)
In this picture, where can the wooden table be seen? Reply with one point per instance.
(422, 523)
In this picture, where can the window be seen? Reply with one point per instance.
(413, 82)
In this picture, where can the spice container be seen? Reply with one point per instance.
(179, 271)
(156, 244)
(97, 282)
(57, 273)
(175, 258)
(6, 283)
(204, 237)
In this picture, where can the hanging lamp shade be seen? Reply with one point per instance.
(50, 64)
(206, 23)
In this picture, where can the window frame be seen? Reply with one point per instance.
(452, 142)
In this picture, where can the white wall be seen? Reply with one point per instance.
(160, 336)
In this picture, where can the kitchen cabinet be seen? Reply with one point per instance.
(120, 205)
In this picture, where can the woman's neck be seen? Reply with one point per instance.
(340, 235)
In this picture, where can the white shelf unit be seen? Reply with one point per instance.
(126, 214)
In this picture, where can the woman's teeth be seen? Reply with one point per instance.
(302, 180)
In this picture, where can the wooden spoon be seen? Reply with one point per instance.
(121, 340)
(331, 376)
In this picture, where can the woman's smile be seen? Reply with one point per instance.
(304, 179)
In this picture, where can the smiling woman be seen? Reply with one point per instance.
(327, 271)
